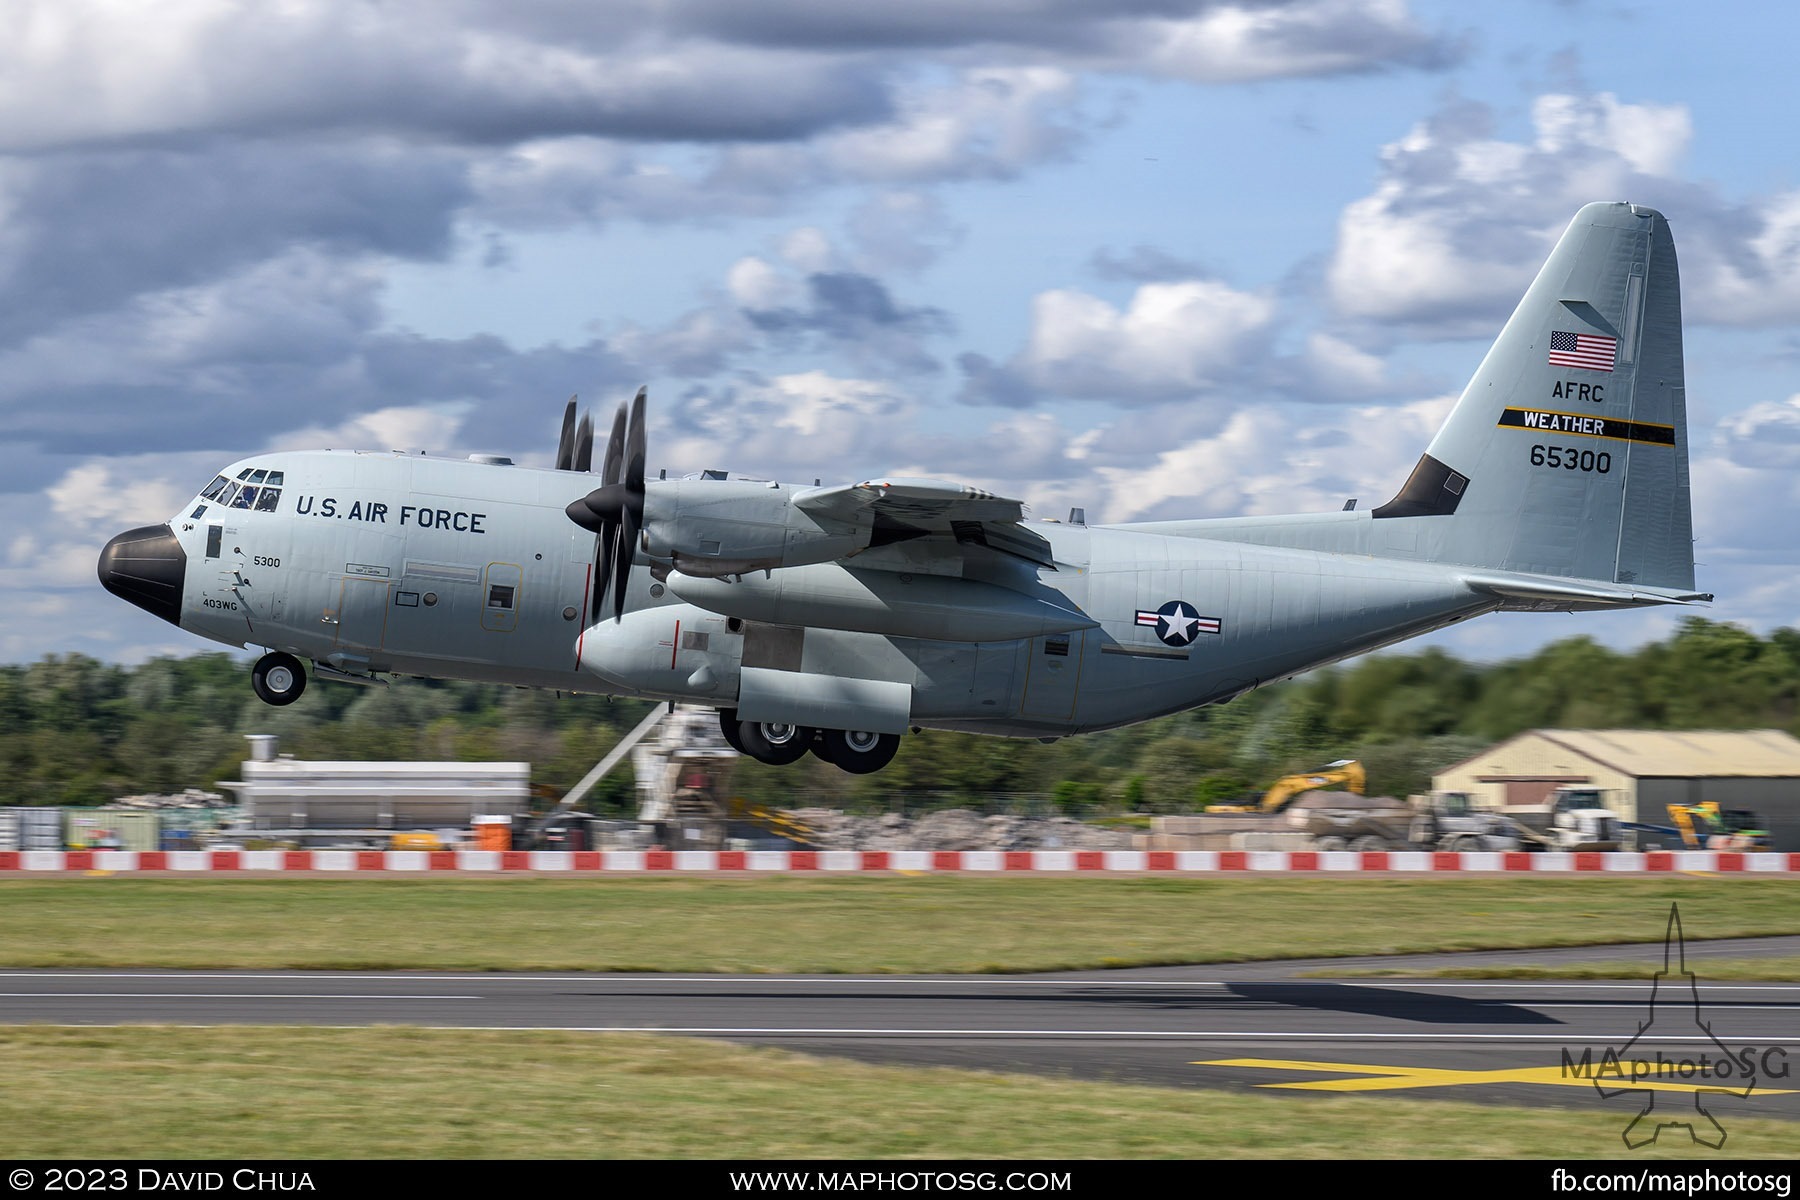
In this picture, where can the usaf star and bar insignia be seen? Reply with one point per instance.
(1177, 623)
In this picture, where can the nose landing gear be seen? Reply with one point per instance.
(278, 679)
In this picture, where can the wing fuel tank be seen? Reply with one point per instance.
(828, 596)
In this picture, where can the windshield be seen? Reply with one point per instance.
(255, 488)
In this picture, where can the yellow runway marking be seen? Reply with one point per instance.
(1381, 1079)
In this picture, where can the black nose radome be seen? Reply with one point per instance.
(146, 566)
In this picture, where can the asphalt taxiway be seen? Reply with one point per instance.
(1279, 1025)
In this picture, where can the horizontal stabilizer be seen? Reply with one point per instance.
(1521, 592)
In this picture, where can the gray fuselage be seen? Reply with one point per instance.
(377, 563)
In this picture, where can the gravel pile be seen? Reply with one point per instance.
(956, 829)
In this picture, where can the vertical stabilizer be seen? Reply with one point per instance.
(1567, 453)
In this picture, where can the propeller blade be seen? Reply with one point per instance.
(615, 449)
(634, 454)
(603, 555)
(584, 444)
(565, 446)
(631, 507)
(607, 541)
(622, 556)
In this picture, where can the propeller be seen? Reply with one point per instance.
(614, 511)
(565, 445)
(584, 445)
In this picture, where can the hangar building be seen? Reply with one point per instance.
(1643, 772)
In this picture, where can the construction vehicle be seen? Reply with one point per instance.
(1705, 826)
(1312, 818)
(1571, 818)
(1345, 772)
(1451, 821)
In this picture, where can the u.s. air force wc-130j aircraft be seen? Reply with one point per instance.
(833, 618)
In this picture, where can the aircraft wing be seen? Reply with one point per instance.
(901, 509)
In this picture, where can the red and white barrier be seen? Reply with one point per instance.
(628, 862)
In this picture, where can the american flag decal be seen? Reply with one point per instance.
(1590, 351)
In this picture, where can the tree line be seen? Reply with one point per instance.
(76, 731)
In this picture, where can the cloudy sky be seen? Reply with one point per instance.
(1155, 258)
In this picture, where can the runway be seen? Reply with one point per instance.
(1253, 1026)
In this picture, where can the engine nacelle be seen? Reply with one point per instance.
(717, 527)
(674, 651)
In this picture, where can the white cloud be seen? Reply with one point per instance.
(791, 427)
(402, 427)
(809, 249)
(1651, 138)
(990, 122)
(753, 283)
(1460, 221)
(1266, 462)
(1171, 338)
(95, 71)
(1333, 363)
(1236, 43)
(1763, 435)
(93, 494)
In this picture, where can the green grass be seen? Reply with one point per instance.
(421, 1093)
(856, 924)
(280, 1093)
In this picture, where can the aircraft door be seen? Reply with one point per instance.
(1053, 674)
(362, 613)
(992, 691)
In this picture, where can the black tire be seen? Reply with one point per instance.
(1329, 843)
(278, 679)
(728, 725)
(774, 743)
(860, 752)
(1368, 842)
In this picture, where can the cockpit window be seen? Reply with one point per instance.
(256, 489)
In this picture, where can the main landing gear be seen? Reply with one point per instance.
(278, 678)
(854, 750)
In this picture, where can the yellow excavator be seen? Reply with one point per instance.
(1705, 826)
(1345, 772)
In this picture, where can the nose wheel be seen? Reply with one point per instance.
(278, 679)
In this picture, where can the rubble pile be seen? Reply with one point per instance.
(956, 829)
(191, 798)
